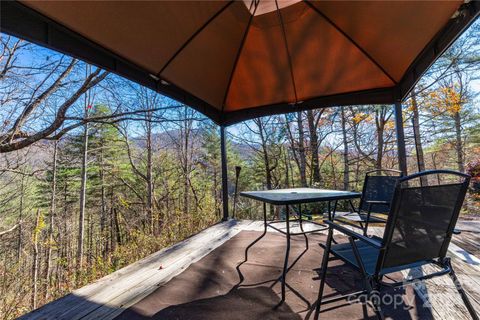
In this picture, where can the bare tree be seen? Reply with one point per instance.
(313, 120)
(20, 134)
(346, 167)
(36, 232)
(48, 267)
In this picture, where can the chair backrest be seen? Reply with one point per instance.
(421, 219)
(379, 185)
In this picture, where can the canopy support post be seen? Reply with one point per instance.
(401, 150)
(223, 150)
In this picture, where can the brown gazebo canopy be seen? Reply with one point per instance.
(235, 60)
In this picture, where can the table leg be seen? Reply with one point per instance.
(240, 275)
(264, 231)
(334, 209)
(332, 214)
(301, 225)
(329, 211)
(264, 218)
(285, 264)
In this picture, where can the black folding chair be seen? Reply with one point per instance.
(377, 193)
(418, 232)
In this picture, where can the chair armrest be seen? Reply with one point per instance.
(377, 202)
(353, 234)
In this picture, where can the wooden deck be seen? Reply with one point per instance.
(111, 295)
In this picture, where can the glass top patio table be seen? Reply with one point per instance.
(299, 195)
(289, 197)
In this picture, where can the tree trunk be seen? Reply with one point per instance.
(186, 162)
(266, 158)
(83, 189)
(380, 126)
(20, 217)
(118, 237)
(459, 143)
(65, 234)
(149, 177)
(314, 147)
(36, 231)
(301, 150)
(103, 217)
(112, 224)
(334, 173)
(434, 164)
(52, 221)
(89, 238)
(418, 138)
(416, 132)
(287, 173)
(216, 194)
(346, 169)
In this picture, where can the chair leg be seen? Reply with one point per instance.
(368, 219)
(370, 284)
(462, 292)
(326, 255)
(376, 304)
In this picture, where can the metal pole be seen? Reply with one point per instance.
(237, 175)
(402, 153)
(223, 150)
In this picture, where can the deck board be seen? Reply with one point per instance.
(109, 296)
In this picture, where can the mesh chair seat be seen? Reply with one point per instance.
(369, 254)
